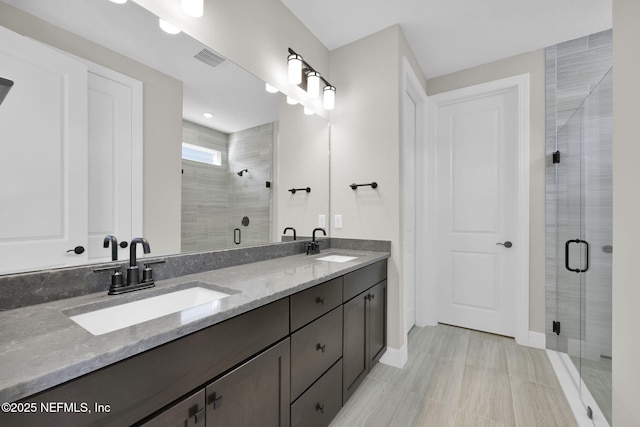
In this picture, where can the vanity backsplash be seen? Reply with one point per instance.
(25, 289)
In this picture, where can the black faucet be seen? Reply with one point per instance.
(290, 228)
(314, 247)
(114, 246)
(133, 282)
(133, 273)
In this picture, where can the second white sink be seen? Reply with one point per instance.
(337, 258)
(111, 319)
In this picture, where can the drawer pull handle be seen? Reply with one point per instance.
(320, 347)
(320, 300)
(320, 407)
(215, 400)
(199, 416)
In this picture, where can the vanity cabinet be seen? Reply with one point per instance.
(364, 325)
(293, 362)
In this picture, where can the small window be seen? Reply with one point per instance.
(199, 154)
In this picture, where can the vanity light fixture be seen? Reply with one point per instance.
(270, 88)
(299, 67)
(194, 8)
(313, 84)
(329, 99)
(294, 62)
(168, 27)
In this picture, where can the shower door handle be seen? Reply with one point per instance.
(566, 255)
(237, 236)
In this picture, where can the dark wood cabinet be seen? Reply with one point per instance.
(254, 394)
(321, 402)
(314, 349)
(293, 362)
(364, 327)
(190, 412)
(354, 348)
(377, 312)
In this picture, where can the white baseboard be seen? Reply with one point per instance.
(396, 357)
(537, 340)
(566, 372)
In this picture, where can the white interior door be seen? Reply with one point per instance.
(409, 114)
(43, 124)
(112, 162)
(477, 145)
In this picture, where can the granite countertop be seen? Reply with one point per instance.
(40, 347)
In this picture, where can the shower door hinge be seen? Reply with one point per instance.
(556, 327)
(556, 157)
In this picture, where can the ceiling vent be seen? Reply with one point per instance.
(209, 57)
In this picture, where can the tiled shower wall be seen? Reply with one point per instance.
(573, 70)
(250, 197)
(215, 198)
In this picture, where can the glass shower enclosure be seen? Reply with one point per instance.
(583, 168)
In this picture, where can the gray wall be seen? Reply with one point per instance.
(626, 211)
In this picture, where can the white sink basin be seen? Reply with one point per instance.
(111, 319)
(337, 258)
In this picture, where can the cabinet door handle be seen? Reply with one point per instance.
(320, 300)
(215, 400)
(320, 347)
(199, 416)
(320, 408)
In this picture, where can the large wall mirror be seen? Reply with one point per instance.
(104, 132)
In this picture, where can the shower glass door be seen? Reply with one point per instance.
(584, 236)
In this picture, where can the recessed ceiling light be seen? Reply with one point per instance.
(291, 101)
(167, 27)
(119, 1)
(193, 8)
(208, 115)
(308, 111)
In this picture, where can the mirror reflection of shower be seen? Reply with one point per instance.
(5, 86)
(242, 172)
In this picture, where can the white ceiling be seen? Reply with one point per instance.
(452, 35)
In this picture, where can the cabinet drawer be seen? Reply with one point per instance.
(314, 349)
(361, 280)
(321, 403)
(313, 303)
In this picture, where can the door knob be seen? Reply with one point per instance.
(506, 244)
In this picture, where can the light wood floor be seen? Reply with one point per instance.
(459, 377)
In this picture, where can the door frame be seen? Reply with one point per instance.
(410, 197)
(427, 272)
